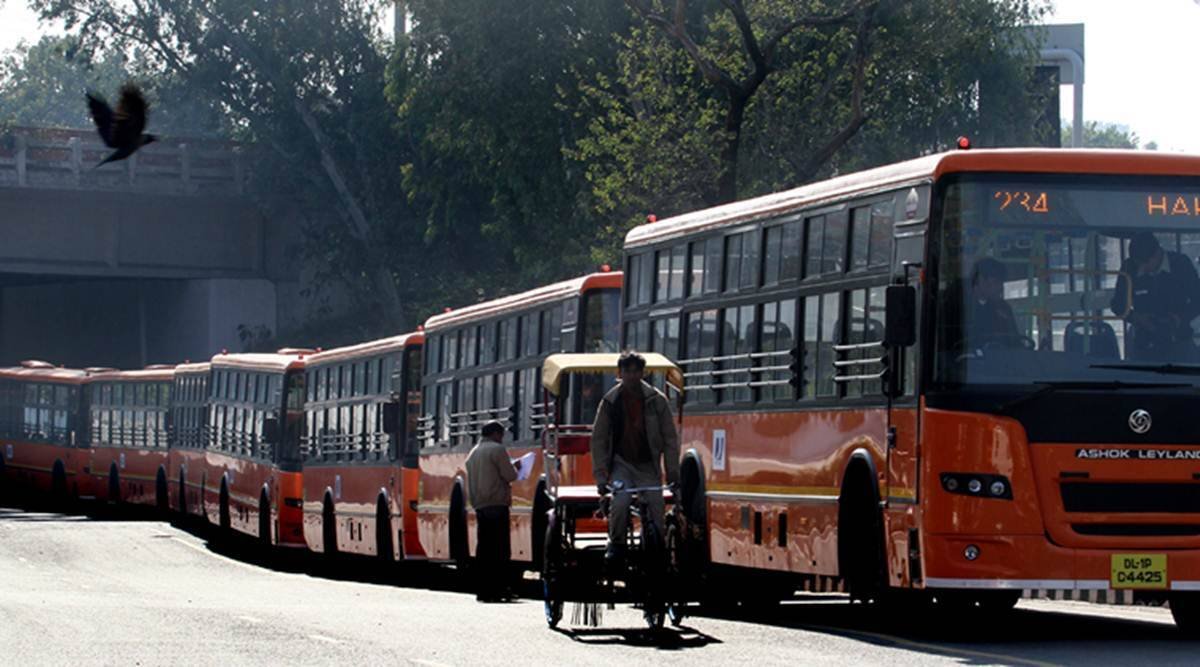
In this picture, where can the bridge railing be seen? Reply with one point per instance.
(67, 159)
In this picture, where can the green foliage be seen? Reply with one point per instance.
(43, 84)
(930, 71)
(486, 93)
(1105, 135)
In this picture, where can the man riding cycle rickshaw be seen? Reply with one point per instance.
(608, 537)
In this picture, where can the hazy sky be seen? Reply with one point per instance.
(1135, 52)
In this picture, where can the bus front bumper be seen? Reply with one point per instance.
(1032, 562)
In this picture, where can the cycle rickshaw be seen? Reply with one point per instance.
(573, 565)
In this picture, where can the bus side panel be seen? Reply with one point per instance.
(140, 474)
(438, 473)
(773, 504)
(408, 511)
(31, 465)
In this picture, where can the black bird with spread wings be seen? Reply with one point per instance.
(121, 129)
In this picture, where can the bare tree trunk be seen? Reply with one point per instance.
(727, 181)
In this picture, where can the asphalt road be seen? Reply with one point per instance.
(93, 591)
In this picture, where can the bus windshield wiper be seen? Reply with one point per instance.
(1164, 369)
(1050, 386)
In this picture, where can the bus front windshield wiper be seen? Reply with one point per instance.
(1164, 369)
(1049, 386)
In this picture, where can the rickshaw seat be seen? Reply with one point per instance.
(574, 443)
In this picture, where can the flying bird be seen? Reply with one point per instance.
(121, 129)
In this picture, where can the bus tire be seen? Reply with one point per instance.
(459, 545)
(264, 520)
(182, 495)
(224, 522)
(1185, 609)
(58, 486)
(114, 485)
(161, 500)
(383, 532)
(861, 559)
(329, 528)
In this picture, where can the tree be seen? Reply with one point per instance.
(809, 89)
(302, 80)
(1105, 135)
(488, 99)
(43, 85)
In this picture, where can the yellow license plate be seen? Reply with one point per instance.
(1139, 571)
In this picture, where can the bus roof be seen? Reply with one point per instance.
(370, 348)
(259, 361)
(144, 374)
(532, 298)
(63, 375)
(911, 172)
(194, 368)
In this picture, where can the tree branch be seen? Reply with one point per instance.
(805, 21)
(761, 67)
(858, 116)
(677, 29)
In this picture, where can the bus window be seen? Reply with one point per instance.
(601, 332)
(665, 337)
(701, 340)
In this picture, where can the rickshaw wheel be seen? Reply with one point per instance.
(673, 547)
(553, 607)
(654, 619)
(551, 562)
(675, 614)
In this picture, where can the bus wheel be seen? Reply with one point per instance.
(58, 486)
(223, 519)
(161, 502)
(1185, 609)
(459, 549)
(860, 538)
(264, 520)
(328, 530)
(182, 496)
(114, 485)
(383, 533)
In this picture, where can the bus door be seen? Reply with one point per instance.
(902, 315)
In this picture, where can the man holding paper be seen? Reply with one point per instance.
(490, 474)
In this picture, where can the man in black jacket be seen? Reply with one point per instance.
(1158, 294)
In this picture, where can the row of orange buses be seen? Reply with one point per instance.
(959, 376)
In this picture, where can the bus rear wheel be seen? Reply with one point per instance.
(383, 533)
(860, 540)
(264, 521)
(1185, 609)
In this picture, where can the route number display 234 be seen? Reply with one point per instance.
(1139, 571)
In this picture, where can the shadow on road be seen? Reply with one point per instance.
(1022, 632)
(666, 639)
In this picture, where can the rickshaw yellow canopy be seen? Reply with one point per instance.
(557, 365)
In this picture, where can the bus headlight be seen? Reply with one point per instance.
(981, 485)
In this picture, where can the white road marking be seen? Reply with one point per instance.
(323, 638)
(427, 663)
(250, 619)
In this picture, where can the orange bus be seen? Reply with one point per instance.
(484, 362)
(189, 438)
(41, 432)
(359, 448)
(127, 414)
(967, 374)
(251, 470)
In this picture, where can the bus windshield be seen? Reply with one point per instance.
(602, 321)
(1067, 278)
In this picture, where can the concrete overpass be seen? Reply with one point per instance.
(156, 259)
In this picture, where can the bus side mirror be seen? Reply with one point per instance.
(271, 429)
(900, 327)
(391, 418)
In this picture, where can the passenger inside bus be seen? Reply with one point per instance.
(990, 319)
(1165, 299)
